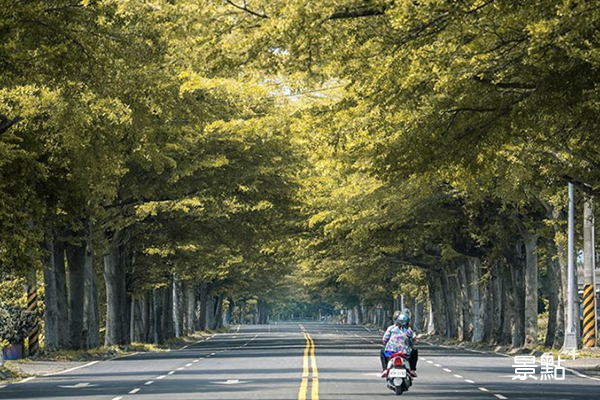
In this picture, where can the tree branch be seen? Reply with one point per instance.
(360, 12)
(586, 187)
(246, 9)
(505, 85)
(6, 124)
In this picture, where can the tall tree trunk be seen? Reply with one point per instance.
(518, 286)
(168, 327)
(51, 314)
(191, 307)
(438, 304)
(157, 312)
(553, 300)
(91, 307)
(176, 319)
(116, 296)
(218, 317)
(203, 305)
(496, 304)
(466, 305)
(452, 315)
(76, 259)
(357, 312)
(243, 312)
(210, 311)
(510, 314)
(133, 316)
(230, 307)
(62, 297)
(531, 289)
(262, 311)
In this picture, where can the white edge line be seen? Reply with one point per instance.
(72, 369)
(125, 356)
(118, 398)
(27, 379)
(574, 372)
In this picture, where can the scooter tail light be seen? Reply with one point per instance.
(398, 362)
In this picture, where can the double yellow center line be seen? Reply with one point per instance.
(309, 350)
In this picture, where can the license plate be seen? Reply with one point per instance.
(397, 373)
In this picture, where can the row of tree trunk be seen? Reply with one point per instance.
(72, 309)
(497, 302)
(72, 317)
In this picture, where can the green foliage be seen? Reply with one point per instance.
(15, 323)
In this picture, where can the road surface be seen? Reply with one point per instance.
(294, 361)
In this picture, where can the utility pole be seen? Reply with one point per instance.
(571, 335)
(589, 292)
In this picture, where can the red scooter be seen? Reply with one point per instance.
(397, 373)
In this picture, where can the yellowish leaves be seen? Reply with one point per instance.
(163, 252)
(214, 161)
(262, 205)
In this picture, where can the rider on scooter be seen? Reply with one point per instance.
(399, 338)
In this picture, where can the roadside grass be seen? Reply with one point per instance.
(98, 353)
(106, 353)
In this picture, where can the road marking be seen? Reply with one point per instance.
(315, 370)
(118, 398)
(304, 383)
(149, 383)
(27, 379)
(72, 369)
(231, 382)
(134, 391)
(469, 381)
(447, 370)
(458, 376)
(2, 386)
(171, 373)
(483, 389)
(437, 365)
(158, 378)
(500, 396)
(195, 361)
(180, 368)
(429, 362)
(188, 365)
(309, 360)
(423, 358)
(77, 386)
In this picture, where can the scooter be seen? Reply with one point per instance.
(398, 378)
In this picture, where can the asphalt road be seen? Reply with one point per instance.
(306, 361)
